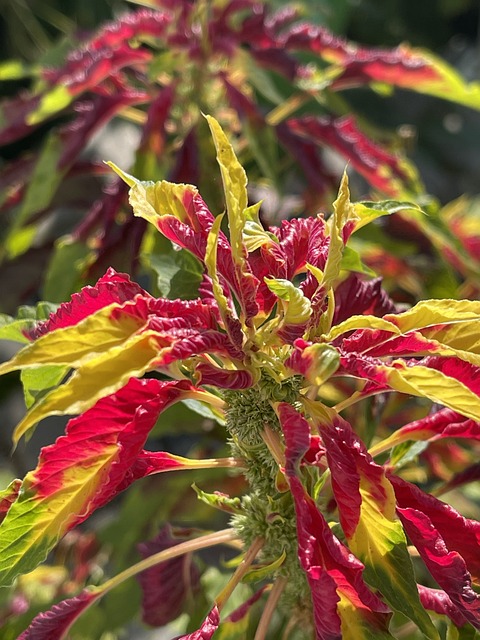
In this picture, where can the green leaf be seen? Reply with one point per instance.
(64, 271)
(219, 500)
(52, 102)
(406, 452)
(254, 235)
(14, 70)
(178, 273)
(380, 543)
(467, 632)
(351, 261)
(37, 382)
(259, 573)
(44, 180)
(343, 211)
(297, 307)
(27, 317)
(366, 212)
(259, 78)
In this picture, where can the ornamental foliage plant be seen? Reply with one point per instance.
(330, 397)
(283, 87)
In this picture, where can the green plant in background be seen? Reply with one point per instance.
(281, 85)
(284, 338)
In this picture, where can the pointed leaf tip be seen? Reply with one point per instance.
(126, 177)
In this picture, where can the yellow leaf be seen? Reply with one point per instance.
(343, 210)
(73, 345)
(431, 312)
(361, 322)
(151, 200)
(426, 382)
(234, 181)
(95, 378)
(297, 308)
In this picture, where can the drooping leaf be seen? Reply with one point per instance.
(343, 606)
(81, 471)
(447, 567)
(387, 171)
(55, 623)
(207, 629)
(366, 503)
(406, 67)
(449, 381)
(441, 424)
(438, 601)
(167, 586)
(461, 535)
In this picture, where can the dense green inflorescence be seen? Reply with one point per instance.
(268, 510)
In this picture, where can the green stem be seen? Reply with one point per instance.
(270, 606)
(241, 570)
(209, 540)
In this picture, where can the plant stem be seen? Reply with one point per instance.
(270, 606)
(241, 570)
(209, 540)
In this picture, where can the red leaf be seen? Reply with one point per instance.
(86, 68)
(307, 154)
(8, 497)
(241, 611)
(438, 601)
(447, 567)
(347, 456)
(460, 534)
(376, 343)
(224, 378)
(470, 474)
(208, 628)
(395, 66)
(302, 240)
(112, 287)
(54, 624)
(379, 166)
(328, 564)
(14, 114)
(355, 296)
(445, 423)
(124, 418)
(144, 22)
(466, 372)
(154, 133)
(91, 114)
(166, 587)
(103, 211)
(311, 548)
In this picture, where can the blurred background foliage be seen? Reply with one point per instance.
(442, 137)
